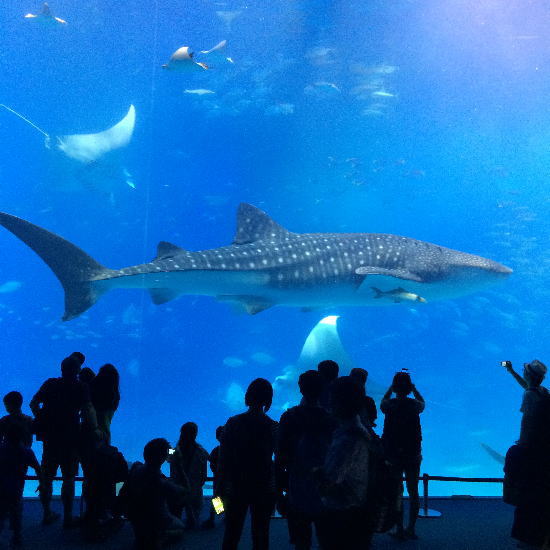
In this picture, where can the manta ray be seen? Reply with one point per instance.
(89, 160)
(93, 161)
(267, 265)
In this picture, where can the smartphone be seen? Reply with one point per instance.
(218, 505)
(504, 363)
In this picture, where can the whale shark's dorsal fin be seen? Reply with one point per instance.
(167, 250)
(254, 225)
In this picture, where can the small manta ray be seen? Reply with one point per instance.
(218, 51)
(182, 60)
(398, 295)
(46, 16)
(89, 160)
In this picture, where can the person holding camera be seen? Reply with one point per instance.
(527, 477)
(401, 440)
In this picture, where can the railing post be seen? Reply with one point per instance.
(425, 512)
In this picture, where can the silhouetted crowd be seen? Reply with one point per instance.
(322, 466)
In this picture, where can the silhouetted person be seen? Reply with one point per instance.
(79, 357)
(246, 470)
(329, 370)
(402, 441)
(188, 466)
(57, 407)
(86, 375)
(368, 412)
(15, 458)
(13, 401)
(344, 478)
(214, 459)
(146, 497)
(106, 468)
(532, 515)
(105, 395)
(305, 433)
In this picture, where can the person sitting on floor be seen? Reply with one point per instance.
(146, 496)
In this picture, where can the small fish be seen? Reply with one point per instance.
(322, 89)
(398, 295)
(382, 93)
(199, 91)
(233, 362)
(10, 286)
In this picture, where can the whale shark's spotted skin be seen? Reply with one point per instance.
(267, 265)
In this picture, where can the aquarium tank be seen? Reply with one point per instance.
(128, 124)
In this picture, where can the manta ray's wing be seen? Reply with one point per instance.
(87, 148)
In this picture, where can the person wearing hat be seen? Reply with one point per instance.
(531, 525)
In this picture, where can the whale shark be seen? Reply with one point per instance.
(267, 265)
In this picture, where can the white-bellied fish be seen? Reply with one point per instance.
(199, 91)
(397, 295)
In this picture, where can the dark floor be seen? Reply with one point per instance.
(466, 524)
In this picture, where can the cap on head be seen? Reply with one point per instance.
(402, 382)
(80, 357)
(70, 367)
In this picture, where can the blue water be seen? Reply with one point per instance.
(417, 118)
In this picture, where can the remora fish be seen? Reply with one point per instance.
(268, 265)
(398, 295)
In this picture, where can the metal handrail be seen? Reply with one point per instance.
(424, 478)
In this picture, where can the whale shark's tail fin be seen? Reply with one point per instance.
(71, 265)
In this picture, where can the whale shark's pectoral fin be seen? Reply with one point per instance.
(250, 304)
(163, 295)
(254, 224)
(397, 273)
(166, 250)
